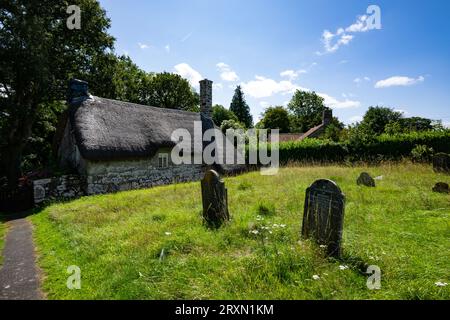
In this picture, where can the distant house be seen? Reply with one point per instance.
(112, 145)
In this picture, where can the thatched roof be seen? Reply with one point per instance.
(110, 130)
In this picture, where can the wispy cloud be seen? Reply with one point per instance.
(143, 46)
(398, 81)
(167, 48)
(226, 73)
(187, 36)
(360, 80)
(189, 73)
(292, 74)
(343, 36)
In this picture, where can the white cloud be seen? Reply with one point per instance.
(143, 46)
(343, 36)
(226, 73)
(263, 87)
(292, 74)
(337, 104)
(356, 119)
(192, 75)
(167, 48)
(218, 86)
(398, 81)
(359, 26)
(359, 80)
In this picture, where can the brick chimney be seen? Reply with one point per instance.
(206, 98)
(78, 91)
(327, 116)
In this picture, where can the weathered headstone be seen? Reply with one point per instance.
(441, 187)
(323, 217)
(441, 163)
(215, 200)
(366, 180)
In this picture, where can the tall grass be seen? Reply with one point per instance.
(152, 244)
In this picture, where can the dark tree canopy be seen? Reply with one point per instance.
(376, 119)
(276, 118)
(168, 90)
(221, 114)
(307, 109)
(38, 55)
(118, 78)
(240, 108)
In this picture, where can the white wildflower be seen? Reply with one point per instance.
(441, 284)
(343, 267)
(168, 233)
(254, 231)
(316, 277)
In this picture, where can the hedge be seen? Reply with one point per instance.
(384, 147)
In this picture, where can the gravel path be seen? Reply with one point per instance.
(19, 276)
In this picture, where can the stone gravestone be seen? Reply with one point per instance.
(366, 180)
(215, 200)
(441, 187)
(323, 217)
(441, 163)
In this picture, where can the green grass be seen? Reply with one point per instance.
(2, 238)
(152, 244)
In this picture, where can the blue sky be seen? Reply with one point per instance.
(273, 47)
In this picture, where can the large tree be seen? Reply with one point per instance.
(221, 114)
(118, 78)
(376, 119)
(307, 109)
(38, 55)
(168, 90)
(240, 108)
(276, 118)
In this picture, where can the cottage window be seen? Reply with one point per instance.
(163, 160)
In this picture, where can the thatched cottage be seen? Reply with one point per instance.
(112, 145)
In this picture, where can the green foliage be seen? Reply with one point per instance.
(307, 109)
(405, 125)
(265, 208)
(422, 153)
(38, 56)
(383, 147)
(118, 78)
(376, 119)
(220, 114)
(334, 130)
(276, 118)
(231, 124)
(168, 90)
(240, 108)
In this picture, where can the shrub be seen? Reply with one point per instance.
(421, 153)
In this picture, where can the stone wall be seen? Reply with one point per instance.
(113, 179)
(138, 178)
(61, 188)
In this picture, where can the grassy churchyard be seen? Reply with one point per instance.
(152, 244)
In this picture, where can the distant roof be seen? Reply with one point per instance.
(109, 130)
